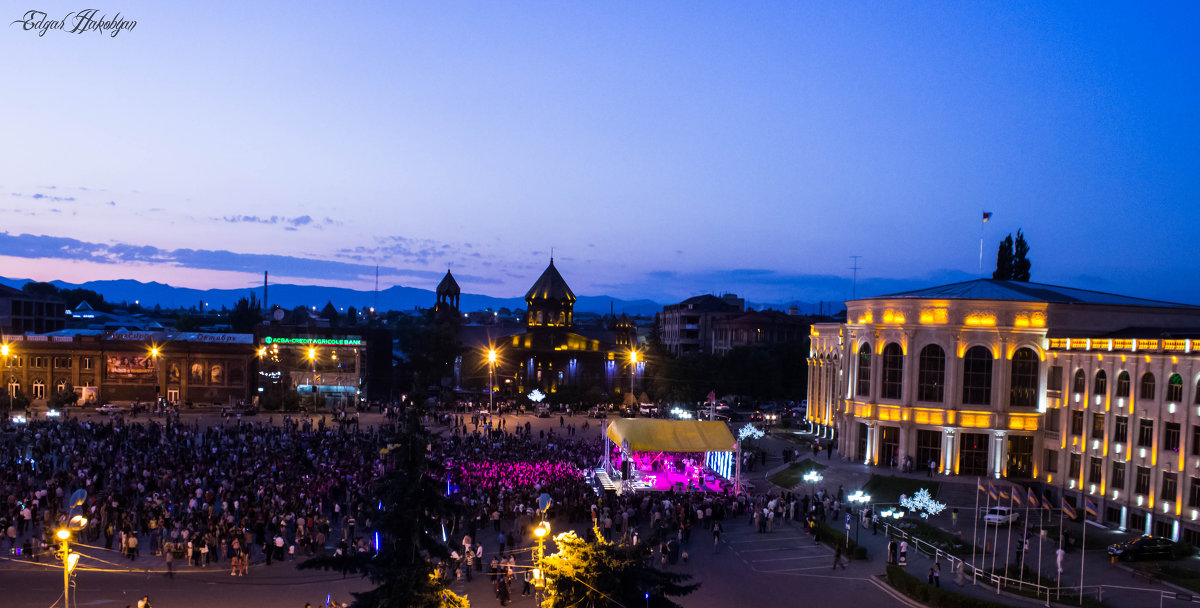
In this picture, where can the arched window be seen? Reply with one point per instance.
(1175, 388)
(1197, 397)
(893, 371)
(1023, 387)
(1080, 383)
(1123, 384)
(39, 389)
(1101, 385)
(61, 387)
(1147, 388)
(931, 374)
(977, 376)
(863, 386)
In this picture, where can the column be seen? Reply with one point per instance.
(947, 451)
(870, 455)
(998, 453)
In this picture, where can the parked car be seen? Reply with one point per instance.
(110, 408)
(997, 516)
(1145, 547)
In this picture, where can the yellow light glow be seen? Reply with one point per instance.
(154, 352)
(1021, 321)
(63, 534)
(491, 356)
(633, 356)
(262, 352)
(4, 350)
(312, 353)
(893, 316)
(934, 316)
(981, 319)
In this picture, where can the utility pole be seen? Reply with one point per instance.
(855, 268)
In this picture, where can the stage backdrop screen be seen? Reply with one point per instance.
(720, 462)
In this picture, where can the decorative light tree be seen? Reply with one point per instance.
(922, 503)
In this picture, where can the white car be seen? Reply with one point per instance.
(997, 516)
(110, 408)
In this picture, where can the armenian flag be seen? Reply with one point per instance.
(1089, 507)
(1003, 493)
(987, 215)
(1068, 509)
(1046, 504)
(992, 492)
(979, 485)
(1016, 496)
(1031, 497)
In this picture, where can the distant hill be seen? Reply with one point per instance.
(291, 296)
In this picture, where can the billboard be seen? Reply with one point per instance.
(139, 367)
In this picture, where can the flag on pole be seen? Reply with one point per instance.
(1046, 504)
(992, 492)
(1032, 498)
(1016, 495)
(979, 485)
(987, 215)
(1003, 493)
(1089, 507)
(1068, 509)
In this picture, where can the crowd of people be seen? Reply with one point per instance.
(193, 495)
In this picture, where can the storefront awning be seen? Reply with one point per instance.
(651, 435)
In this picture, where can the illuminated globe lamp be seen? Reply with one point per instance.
(813, 477)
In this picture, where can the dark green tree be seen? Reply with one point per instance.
(1021, 264)
(413, 508)
(1004, 260)
(40, 289)
(245, 314)
(351, 316)
(330, 314)
(63, 398)
(186, 322)
(603, 574)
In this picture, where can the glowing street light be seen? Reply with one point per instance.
(4, 351)
(813, 477)
(633, 361)
(491, 357)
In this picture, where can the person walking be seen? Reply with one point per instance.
(837, 558)
(958, 573)
(937, 574)
(903, 553)
(716, 530)
(170, 559)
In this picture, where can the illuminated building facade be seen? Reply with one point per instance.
(180, 367)
(971, 376)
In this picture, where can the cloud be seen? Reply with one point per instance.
(289, 223)
(421, 251)
(63, 248)
(38, 196)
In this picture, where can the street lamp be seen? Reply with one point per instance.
(859, 497)
(157, 385)
(539, 578)
(633, 361)
(69, 559)
(8, 381)
(491, 357)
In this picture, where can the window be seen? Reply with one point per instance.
(39, 362)
(1175, 388)
(1053, 420)
(1121, 429)
(931, 374)
(1076, 463)
(1197, 397)
(1095, 469)
(1123, 384)
(863, 388)
(1100, 386)
(1195, 440)
(1147, 387)
(1097, 426)
(1170, 484)
(1142, 485)
(61, 387)
(977, 376)
(893, 371)
(929, 447)
(1145, 433)
(1076, 422)
(1024, 384)
(39, 389)
(1080, 383)
(85, 363)
(1191, 536)
(1051, 464)
(1170, 438)
(62, 363)
(1117, 481)
(1054, 378)
(1194, 493)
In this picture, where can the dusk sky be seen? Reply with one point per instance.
(661, 149)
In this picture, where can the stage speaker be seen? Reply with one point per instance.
(626, 466)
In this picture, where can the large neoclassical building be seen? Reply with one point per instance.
(1084, 392)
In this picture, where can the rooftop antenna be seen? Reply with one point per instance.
(855, 268)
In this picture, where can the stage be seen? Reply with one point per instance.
(665, 481)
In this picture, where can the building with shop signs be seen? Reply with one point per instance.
(1076, 392)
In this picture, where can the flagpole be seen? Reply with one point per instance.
(975, 533)
(996, 539)
(1024, 539)
(1058, 568)
(1041, 537)
(1008, 534)
(1082, 551)
(981, 223)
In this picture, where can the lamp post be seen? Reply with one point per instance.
(861, 499)
(69, 560)
(8, 380)
(539, 577)
(633, 361)
(491, 356)
(312, 374)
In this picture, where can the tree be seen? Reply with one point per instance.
(245, 314)
(330, 314)
(1021, 262)
(603, 574)
(186, 322)
(413, 507)
(1004, 260)
(1012, 261)
(63, 398)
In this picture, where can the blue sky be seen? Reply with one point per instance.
(660, 149)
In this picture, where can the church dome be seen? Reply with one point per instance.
(550, 286)
(448, 286)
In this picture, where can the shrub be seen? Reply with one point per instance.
(834, 538)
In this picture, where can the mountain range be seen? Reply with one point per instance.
(290, 296)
